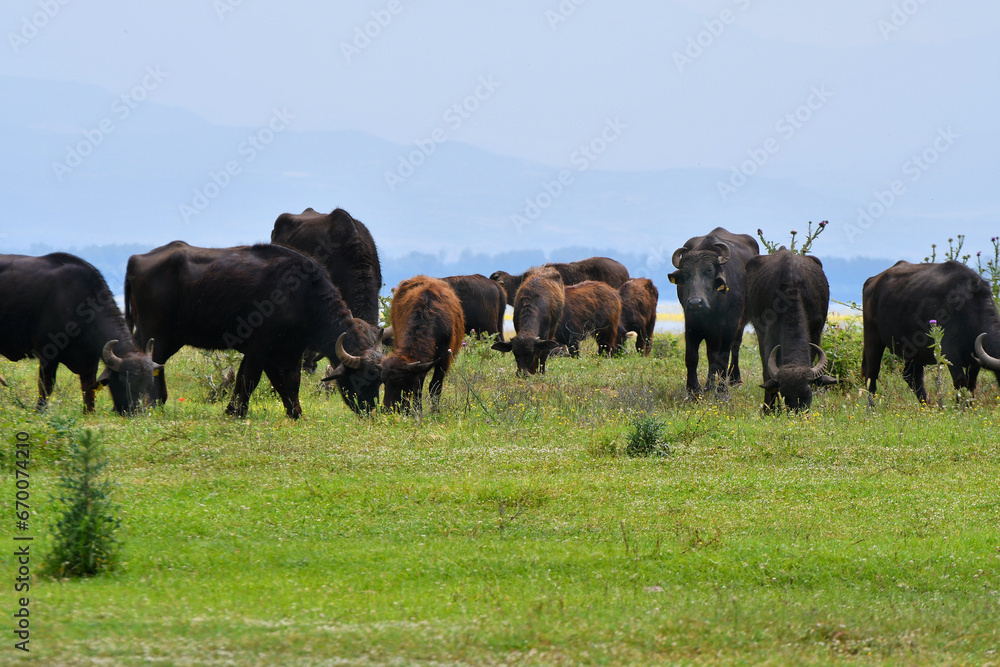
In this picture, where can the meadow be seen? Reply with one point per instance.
(513, 527)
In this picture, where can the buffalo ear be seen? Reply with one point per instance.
(420, 366)
(157, 370)
(720, 284)
(102, 380)
(771, 385)
(502, 346)
(334, 373)
(826, 380)
(547, 345)
(677, 278)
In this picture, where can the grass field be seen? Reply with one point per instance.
(511, 528)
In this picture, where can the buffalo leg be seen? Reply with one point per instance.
(88, 379)
(972, 376)
(247, 379)
(436, 387)
(871, 363)
(691, 345)
(46, 381)
(913, 373)
(717, 359)
(308, 362)
(734, 366)
(286, 383)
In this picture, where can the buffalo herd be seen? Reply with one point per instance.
(313, 292)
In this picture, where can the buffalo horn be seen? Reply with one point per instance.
(387, 333)
(346, 357)
(675, 259)
(149, 347)
(724, 253)
(772, 362)
(820, 366)
(984, 359)
(113, 361)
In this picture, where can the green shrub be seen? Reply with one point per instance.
(645, 438)
(85, 535)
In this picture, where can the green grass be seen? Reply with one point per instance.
(511, 527)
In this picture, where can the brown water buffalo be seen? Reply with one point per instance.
(591, 308)
(711, 287)
(266, 301)
(787, 301)
(898, 307)
(639, 298)
(484, 303)
(537, 311)
(58, 309)
(603, 269)
(428, 329)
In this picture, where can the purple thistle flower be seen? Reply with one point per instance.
(933, 322)
(824, 223)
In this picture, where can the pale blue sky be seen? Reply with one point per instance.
(831, 98)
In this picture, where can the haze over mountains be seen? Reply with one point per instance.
(141, 173)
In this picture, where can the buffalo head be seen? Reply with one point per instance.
(359, 376)
(794, 381)
(129, 379)
(700, 276)
(404, 383)
(529, 351)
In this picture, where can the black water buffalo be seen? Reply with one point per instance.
(639, 298)
(59, 310)
(538, 308)
(428, 328)
(345, 247)
(898, 306)
(603, 269)
(266, 301)
(711, 287)
(484, 303)
(787, 301)
(591, 308)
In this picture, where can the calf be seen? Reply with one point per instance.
(639, 298)
(538, 308)
(594, 308)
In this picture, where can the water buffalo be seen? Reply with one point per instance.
(603, 269)
(639, 298)
(787, 301)
(266, 301)
(484, 303)
(58, 309)
(428, 328)
(538, 308)
(345, 248)
(711, 287)
(590, 307)
(898, 306)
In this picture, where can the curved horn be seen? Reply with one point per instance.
(113, 361)
(820, 366)
(387, 333)
(149, 347)
(346, 357)
(675, 259)
(378, 339)
(725, 252)
(772, 362)
(984, 359)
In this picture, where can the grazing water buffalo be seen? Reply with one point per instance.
(594, 308)
(346, 250)
(428, 328)
(711, 287)
(538, 308)
(898, 306)
(59, 310)
(603, 269)
(787, 301)
(484, 303)
(266, 301)
(639, 298)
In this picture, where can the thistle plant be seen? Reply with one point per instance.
(936, 333)
(811, 235)
(991, 271)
